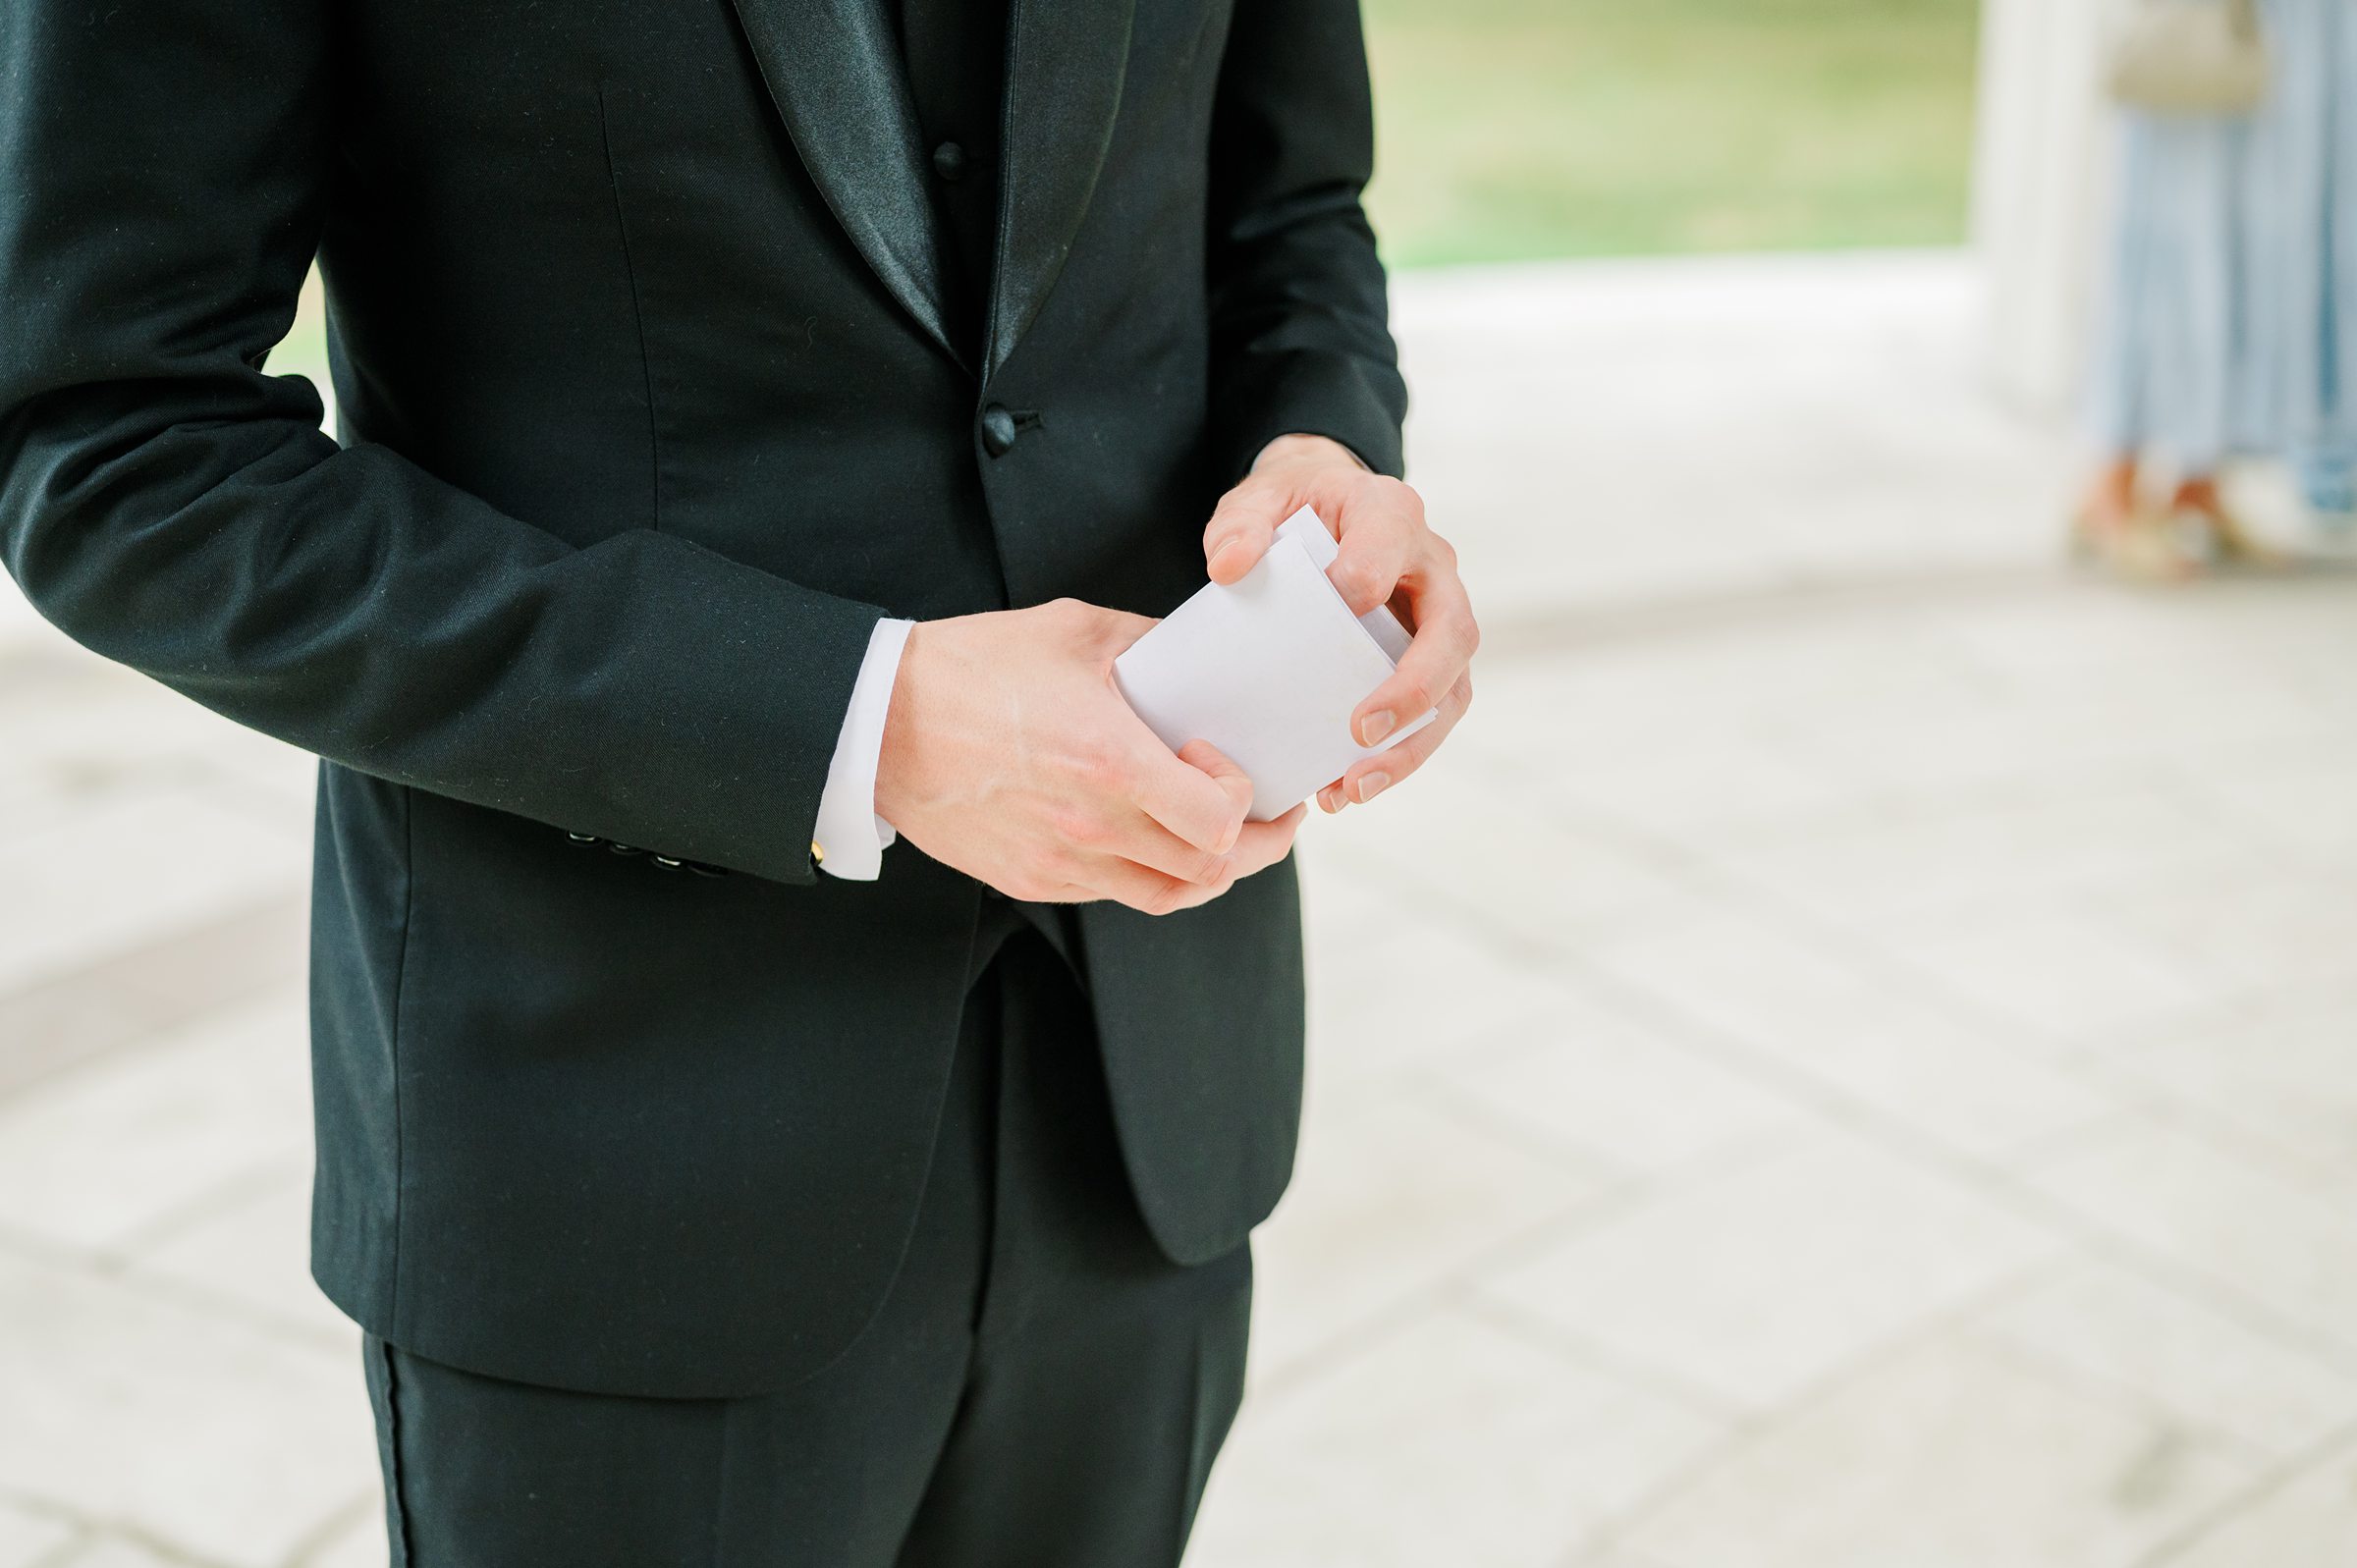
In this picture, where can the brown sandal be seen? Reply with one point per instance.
(2137, 545)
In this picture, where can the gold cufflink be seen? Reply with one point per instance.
(818, 852)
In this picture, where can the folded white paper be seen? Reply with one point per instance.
(1269, 670)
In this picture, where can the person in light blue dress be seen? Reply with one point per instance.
(2231, 327)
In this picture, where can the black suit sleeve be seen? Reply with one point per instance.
(162, 164)
(1298, 314)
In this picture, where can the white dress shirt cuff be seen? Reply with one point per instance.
(851, 836)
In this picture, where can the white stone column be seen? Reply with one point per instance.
(2041, 191)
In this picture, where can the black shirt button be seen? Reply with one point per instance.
(950, 161)
(998, 431)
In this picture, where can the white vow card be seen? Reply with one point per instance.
(1269, 670)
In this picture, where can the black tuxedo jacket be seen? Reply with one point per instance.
(652, 408)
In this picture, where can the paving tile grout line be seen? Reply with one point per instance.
(2088, 1067)
(1572, 625)
(122, 1256)
(2096, 1066)
(1562, 1344)
(323, 1536)
(79, 1529)
(1432, 1088)
(2335, 1445)
(88, 1268)
(1857, 1368)
(130, 1017)
(1441, 1289)
(2000, 1184)
(1714, 886)
(1993, 1181)
(89, 1529)
(1472, 1115)
(2032, 1362)
(256, 801)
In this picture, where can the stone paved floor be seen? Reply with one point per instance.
(1846, 1065)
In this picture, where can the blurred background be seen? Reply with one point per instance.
(1846, 1063)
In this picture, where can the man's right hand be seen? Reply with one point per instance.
(1009, 755)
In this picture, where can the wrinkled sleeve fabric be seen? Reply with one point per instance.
(172, 507)
(1300, 317)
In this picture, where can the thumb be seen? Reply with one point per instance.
(1223, 771)
(1241, 529)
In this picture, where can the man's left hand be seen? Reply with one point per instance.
(1390, 556)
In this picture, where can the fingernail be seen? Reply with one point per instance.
(1372, 784)
(1223, 552)
(1330, 800)
(1375, 726)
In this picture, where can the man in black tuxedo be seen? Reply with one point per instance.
(762, 422)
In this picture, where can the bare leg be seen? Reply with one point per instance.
(2114, 498)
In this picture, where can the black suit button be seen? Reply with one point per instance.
(998, 431)
(583, 840)
(950, 162)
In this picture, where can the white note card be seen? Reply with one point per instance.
(1269, 670)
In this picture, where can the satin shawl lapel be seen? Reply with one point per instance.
(1066, 61)
(834, 69)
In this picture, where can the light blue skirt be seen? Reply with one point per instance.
(2231, 325)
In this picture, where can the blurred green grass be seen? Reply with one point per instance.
(1518, 128)
(1514, 128)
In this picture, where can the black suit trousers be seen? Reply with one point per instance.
(1040, 1389)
